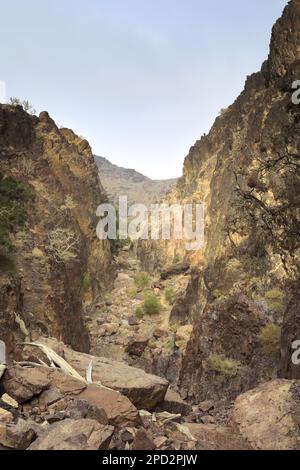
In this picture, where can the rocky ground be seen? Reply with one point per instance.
(56, 398)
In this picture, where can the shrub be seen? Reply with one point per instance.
(25, 105)
(270, 339)
(139, 312)
(223, 111)
(176, 259)
(142, 280)
(13, 197)
(63, 245)
(152, 305)
(26, 166)
(69, 203)
(227, 367)
(132, 293)
(170, 295)
(152, 344)
(171, 344)
(217, 294)
(86, 283)
(275, 300)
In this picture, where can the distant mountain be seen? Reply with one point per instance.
(138, 188)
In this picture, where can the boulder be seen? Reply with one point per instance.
(137, 345)
(133, 321)
(173, 403)
(183, 335)
(268, 417)
(118, 408)
(80, 409)
(206, 406)
(144, 390)
(212, 437)
(5, 416)
(9, 401)
(142, 441)
(17, 436)
(23, 384)
(84, 434)
(174, 270)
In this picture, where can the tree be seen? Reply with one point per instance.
(25, 105)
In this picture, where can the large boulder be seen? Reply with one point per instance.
(173, 403)
(119, 410)
(84, 434)
(268, 417)
(144, 390)
(58, 392)
(25, 383)
(17, 436)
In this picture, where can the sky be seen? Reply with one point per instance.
(142, 80)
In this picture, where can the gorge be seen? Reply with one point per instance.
(145, 345)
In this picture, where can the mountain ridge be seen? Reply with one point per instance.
(118, 181)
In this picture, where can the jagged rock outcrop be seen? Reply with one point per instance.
(246, 172)
(54, 266)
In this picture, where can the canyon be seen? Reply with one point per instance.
(144, 345)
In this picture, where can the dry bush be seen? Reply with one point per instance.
(63, 245)
(26, 166)
(69, 203)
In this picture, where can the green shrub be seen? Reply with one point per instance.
(142, 280)
(171, 344)
(151, 305)
(217, 294)
(86, 282)
(224, 366)
(13, 197)
(170, 295)
(176, 259)
(152, 344)
(139, 312)
(132, 293)
(275, 300)
(270, 339)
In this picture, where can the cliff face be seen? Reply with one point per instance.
(52, 266)
(246, 171)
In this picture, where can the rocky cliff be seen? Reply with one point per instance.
(52, 266)
(246, 172)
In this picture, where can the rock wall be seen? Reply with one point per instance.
(56, 267)
(246, 172)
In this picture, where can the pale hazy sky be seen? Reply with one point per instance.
(140, 79)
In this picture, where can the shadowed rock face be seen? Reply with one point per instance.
(246, 172)
(58, 169)
(290, 334)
